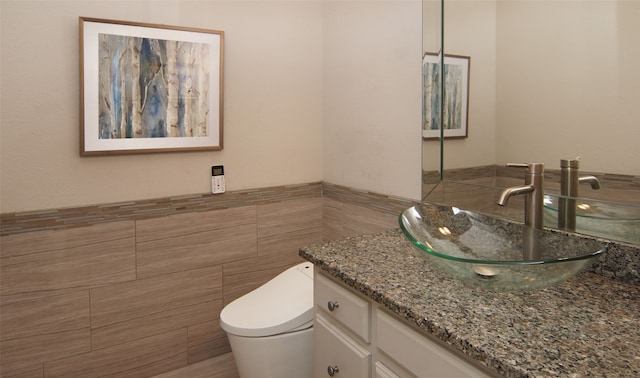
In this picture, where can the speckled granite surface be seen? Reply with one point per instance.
(588, 326)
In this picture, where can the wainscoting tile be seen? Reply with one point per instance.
(197, 250)
(141, 358)
(30, 372)
(478, 197)
(69, 264)
(154, 275)
(206, 332)
(208, 350)
(289, 216)
(289, 242)
(171, 363)
(57, 219)
(237, 286)
(371, 200)
(275, 262)
(207, 340)
(332, 227)
(63, 313)
(241, 277)
(286, 226)
(18, 353)
(193, 223)
(28, 337)
(360, 220)
(153, 324)
(44, 241)
(130, 300)
(223, 366)
(188, 241)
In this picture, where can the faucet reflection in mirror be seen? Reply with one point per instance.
(569, 182)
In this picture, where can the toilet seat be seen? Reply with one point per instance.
(284, 304)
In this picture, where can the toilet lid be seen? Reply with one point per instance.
(281, 305)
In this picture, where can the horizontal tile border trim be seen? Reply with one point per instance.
(372, 200)
(610, 180)
(63, 218)
(56, 219)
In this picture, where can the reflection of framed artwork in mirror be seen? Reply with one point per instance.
(149, 88)
(454, 111)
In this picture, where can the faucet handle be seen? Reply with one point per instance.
(532, 167)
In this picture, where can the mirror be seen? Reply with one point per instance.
(549, 80)
(432, 29)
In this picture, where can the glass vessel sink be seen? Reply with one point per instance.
(493, 253)
(599, 218)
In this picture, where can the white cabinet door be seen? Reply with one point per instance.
(336, 354)
(419, 355)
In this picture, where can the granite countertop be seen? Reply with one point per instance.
(588, 326)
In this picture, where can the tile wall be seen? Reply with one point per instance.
(135, 289)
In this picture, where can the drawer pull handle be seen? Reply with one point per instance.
(332, 370)
(332, 306)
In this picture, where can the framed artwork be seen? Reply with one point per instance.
(454, 111)
(148, 88)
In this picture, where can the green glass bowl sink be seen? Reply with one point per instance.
(485, 251)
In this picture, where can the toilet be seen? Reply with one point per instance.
(271, 328)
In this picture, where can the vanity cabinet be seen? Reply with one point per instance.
(354, 337)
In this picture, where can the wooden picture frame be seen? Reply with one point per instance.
(147, 88)
(456, 94)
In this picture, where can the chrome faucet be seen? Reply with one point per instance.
(534, 194)
(569, 182)
(533, 190)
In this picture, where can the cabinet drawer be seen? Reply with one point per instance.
(337, 351)
(383, 371)
(419, 355)
(339, 304)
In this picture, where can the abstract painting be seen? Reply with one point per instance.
(149, 88)
(452, 84)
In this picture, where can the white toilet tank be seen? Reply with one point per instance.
(270, 328)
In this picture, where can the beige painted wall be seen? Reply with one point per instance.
(281, 60)
(537, 94)
(579, 68)
(372, 94)
(272, 111)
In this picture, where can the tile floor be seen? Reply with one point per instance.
(218, 367)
